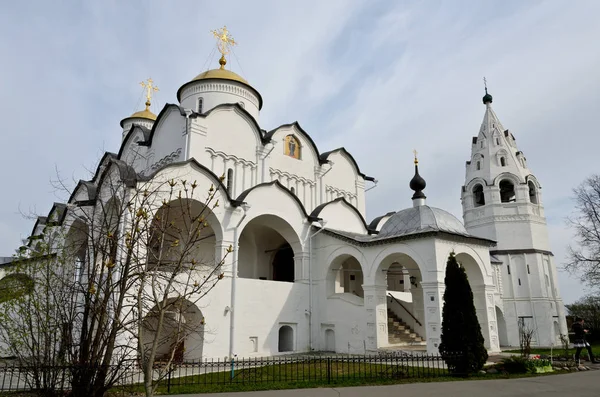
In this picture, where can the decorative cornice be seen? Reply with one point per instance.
(284, 174)
(168, 159)
(339, 192)
(230, 157)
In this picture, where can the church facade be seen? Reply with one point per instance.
(307, 272)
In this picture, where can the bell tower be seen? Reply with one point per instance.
(502, 201)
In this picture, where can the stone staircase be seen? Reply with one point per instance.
(399, 333)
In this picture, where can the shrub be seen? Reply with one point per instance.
(515, 365)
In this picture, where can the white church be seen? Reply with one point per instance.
(308, 272)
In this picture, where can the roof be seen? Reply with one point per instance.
(419, 219)
(220, 74)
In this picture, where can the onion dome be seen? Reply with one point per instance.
(417, 183)
(487, 98)
(145, 114)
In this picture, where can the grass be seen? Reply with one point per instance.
(559, 352)
(312, 375)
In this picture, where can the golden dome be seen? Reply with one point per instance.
(144, 114)
(220, 74)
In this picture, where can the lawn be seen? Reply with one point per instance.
(559, 352)
(317, 373)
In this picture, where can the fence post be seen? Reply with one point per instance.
(232, 368)
(169, 379)
(328, 370)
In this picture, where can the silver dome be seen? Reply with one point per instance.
(421, 219)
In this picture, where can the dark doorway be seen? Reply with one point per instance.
(283, 264)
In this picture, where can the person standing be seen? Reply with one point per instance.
(579, 341)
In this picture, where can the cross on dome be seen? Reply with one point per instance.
(224, 43)
(150, 87)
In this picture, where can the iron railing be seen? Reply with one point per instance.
(306, 369)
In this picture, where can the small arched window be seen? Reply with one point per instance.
(503, 161)
(478, 197)
(200, 103)
(507, 192)
(229, 180)
(286, 339)
(293, 190)
(497, 141)
(478, 165)
(532, 193)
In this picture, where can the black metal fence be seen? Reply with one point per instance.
(306, 369)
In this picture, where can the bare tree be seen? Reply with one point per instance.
(584, 258)
(117, 282)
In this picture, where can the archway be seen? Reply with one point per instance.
(183, 233)
(286, 339)
(404, 300)
(267, 250)
(345, 276)
(181, 334)
(477, 283)
(502, 331)
(507, 191)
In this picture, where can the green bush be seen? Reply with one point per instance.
(461, 332)
(515, 365)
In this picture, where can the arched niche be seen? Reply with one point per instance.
(478, 195)
(533, 193)
(345, 276)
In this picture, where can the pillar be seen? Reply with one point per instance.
(376, 334)
(433, 299)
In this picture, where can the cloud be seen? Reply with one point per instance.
(379, 78)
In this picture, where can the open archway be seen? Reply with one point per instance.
(345, 276)
(183, 233)
(181, 333)
(267, 250)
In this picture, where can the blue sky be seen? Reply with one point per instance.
(377, 77)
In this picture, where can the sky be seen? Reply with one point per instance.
(380, 78)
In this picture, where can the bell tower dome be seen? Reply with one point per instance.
(145, 117)
(218, 86)
(502, 201)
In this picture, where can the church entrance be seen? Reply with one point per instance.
(268, 247)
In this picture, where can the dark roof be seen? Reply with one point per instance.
(375, 222)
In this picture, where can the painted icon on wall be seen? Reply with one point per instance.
(291, 147)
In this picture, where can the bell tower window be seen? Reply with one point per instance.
(478, 197)
(532, 193)
(507, 192)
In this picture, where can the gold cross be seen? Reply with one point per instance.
(415, 153)
(149, 86)
(224, 40)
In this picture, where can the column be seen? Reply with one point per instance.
(433, 300)
(376, 334)
(301, 267)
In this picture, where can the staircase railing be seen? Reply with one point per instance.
(402, 306)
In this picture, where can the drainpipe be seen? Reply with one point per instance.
(375, 181)
(310, 291)
(234, 267)
(322, 188)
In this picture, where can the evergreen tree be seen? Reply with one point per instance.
(462, 342)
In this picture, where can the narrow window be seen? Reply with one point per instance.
(497, 141)
(478, 196)
(478, 165)
(519, 281)
(229, 180)
(502, 161)
(200, 102)
(528, 272)
(293, 190)
(482, 144)
(508, 267)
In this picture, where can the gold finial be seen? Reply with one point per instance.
(224, 42)
(415, 153)
(149, 86)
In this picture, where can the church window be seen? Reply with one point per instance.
(478, 165)
(478, 196)
(497, 141)
(502, 161)
(229, 180)
(507, 192)
(293, 190)
(528, 271)
(200, 103)
(292, 147)
(532, 193)
(508, 268)
(242, 104)
(519, 281)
